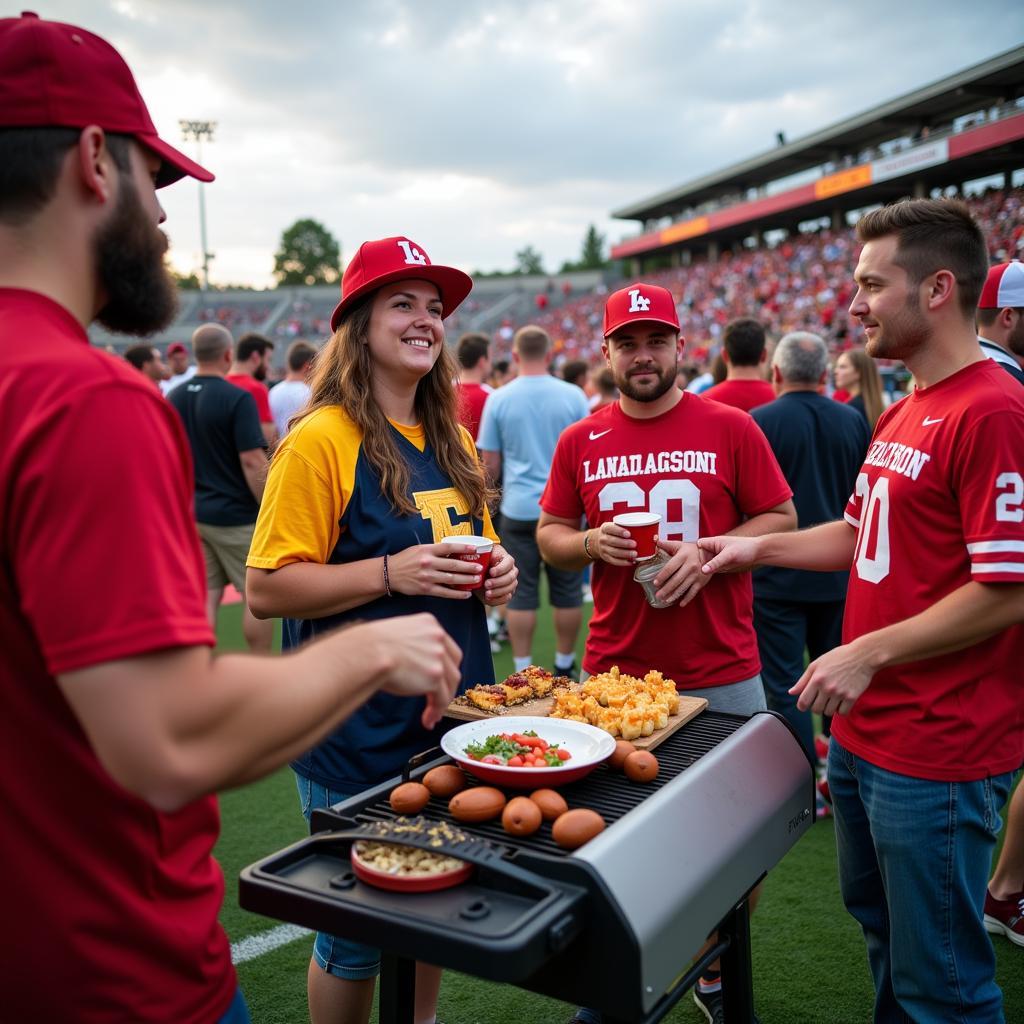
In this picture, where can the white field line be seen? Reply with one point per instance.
(266, 942)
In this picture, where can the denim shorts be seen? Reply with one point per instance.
(519, 538)
(341, 957)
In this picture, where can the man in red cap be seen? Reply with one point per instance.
(1000, 317)
(695, 463)
(180, 366)
(117, 723)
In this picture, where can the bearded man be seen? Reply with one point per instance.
(701, 466)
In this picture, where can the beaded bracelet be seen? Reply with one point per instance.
(387, 582)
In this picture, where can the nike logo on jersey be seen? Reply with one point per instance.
(594, 437)
(928, 422)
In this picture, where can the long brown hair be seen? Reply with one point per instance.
(869, 385)
(342, 377)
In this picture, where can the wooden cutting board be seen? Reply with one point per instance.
(689, 707)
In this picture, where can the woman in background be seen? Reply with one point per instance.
(857, 374)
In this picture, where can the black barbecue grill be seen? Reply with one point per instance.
(612, 925)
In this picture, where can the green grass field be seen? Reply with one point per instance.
(809, 960)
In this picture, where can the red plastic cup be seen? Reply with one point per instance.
(484, 546)
(643, 528)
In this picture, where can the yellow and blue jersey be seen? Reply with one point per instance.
(323, 503)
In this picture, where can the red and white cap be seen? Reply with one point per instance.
(639, 302)
(1004, 287)
(54, 75)
(396, 259)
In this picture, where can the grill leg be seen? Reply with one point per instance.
(397, 990)
(737, 976)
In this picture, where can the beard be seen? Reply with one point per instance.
(260, 373)
(1015, 342)
(647, 392)
(129, 249)
(905, 333)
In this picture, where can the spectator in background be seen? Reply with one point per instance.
(292, 394)
(229, 461)
(501, 373)
(576, 371)
(148, 361)
(518, 434)
(820, 445)
(605, 391)
(1000, 317)
(744, 350)
(249, 371)
(474, 366)
(857, 374)
(180, 366)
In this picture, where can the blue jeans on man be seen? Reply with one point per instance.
(914, 860)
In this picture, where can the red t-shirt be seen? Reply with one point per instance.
(471, 405)
(940, 502)
(112, 905)
(704, 467)
(257, 390)
(742, 394)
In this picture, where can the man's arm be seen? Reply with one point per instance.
(681, 580)
(970, 614)
(492, 464)
(254, 467)
(177, 724)
(825, 548)
(270, 434)
(561, 542)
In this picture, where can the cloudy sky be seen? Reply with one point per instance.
(479, 128)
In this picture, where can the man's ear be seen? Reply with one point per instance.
(95, 164)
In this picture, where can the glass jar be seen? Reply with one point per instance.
(644, 575)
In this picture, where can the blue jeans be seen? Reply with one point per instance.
(914, 859)
(237, 1012)
(341, 957)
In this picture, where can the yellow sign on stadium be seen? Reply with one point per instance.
(687, 229)
(843, 181)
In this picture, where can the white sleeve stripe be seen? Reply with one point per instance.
(992, 567)
(851, 520)
(990, 547)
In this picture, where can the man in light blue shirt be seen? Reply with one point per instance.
(520, 427)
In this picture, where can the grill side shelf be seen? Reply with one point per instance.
(502, 924)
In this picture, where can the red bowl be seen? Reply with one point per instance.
(407, 883)
(588, 745)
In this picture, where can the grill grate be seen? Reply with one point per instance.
(604, 790)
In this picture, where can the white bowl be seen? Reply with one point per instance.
(587, 744)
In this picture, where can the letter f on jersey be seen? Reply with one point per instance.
(638, 303)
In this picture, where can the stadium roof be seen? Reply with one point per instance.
(1000, 77)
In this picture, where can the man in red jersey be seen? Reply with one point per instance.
(248, 371)
(472, 352)
(744, 349)
(117, 723)
(926, 686)
(694, 462)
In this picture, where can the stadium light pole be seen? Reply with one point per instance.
(196, 131)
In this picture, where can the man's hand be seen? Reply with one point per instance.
(681, 579)
(832, 683)
(502, 578)
(613, 544)
(727, 553)
(423, 661)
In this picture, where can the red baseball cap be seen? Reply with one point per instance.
(176, 347)
(396, 259)
(1004, 287)
(639, 302)
(56, 75)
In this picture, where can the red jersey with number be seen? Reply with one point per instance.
(110, 905)
(939, 502)
(704, 467)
